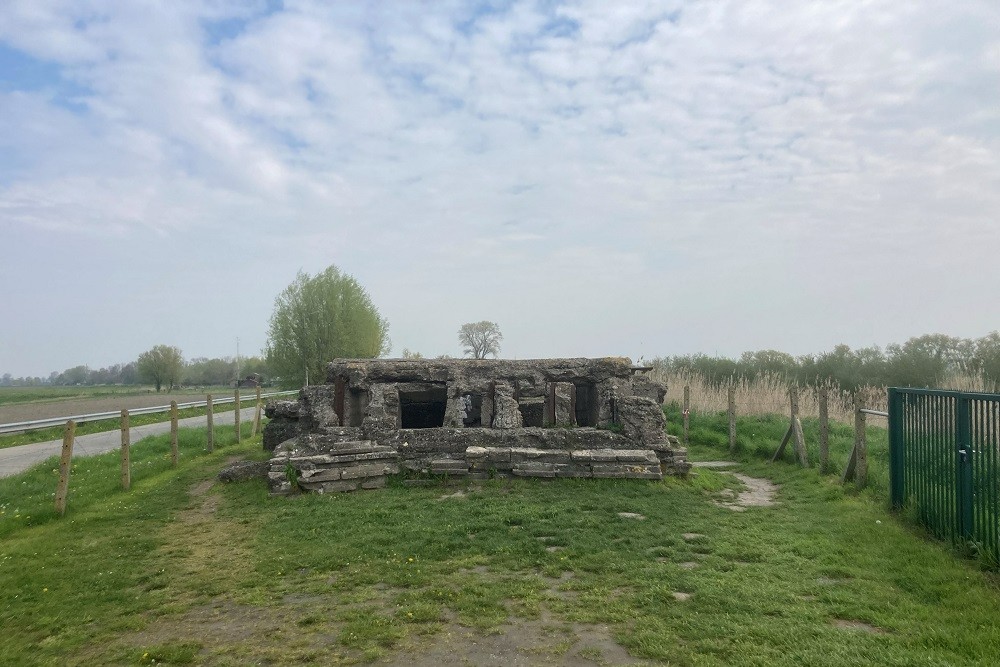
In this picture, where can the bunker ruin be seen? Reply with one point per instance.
(463, 417)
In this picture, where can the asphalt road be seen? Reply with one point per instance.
(18, 459)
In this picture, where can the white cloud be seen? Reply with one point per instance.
(520, 144)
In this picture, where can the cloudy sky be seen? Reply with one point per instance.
(635, 178)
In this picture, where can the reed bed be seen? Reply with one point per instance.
(768, 394)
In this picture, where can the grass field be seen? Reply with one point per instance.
(184, 571)
(16, 395)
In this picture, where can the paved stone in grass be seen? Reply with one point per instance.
(681, 597)
(688, 565)
(713, 464)
(692, 536)
(758, 493)
(631, 515)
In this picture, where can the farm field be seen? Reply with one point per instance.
(40, 409)
(27, 403)
(185, 570)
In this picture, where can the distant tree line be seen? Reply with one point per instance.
(923, 361)
(197, 372)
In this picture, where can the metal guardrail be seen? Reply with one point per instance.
(17, 427)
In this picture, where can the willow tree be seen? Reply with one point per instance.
(162, 365)
(318, 319)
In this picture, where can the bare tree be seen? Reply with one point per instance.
(480, 339)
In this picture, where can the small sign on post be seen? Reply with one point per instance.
(126, 456)
(173, 433)
(65, 465)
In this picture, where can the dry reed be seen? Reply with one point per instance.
(768, 394)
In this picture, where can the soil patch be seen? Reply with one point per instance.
(521, 643)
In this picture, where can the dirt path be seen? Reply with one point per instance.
(758, 492)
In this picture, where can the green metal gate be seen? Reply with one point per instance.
(944, 448)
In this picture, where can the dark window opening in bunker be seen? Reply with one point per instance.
(586, 404)
(473, 410)
(422, 408)
(532, 412)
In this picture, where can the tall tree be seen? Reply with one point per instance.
(480, 339)
(320, 318)
(161, 365)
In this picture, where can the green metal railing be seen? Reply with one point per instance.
(944, 461)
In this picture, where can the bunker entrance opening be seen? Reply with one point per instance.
(473, 410)
(422, 408)
(586, 404)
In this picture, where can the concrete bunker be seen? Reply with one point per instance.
(532, 418)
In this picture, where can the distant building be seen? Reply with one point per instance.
(251, 381)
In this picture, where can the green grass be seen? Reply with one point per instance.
(56, 432)
(757, 438)
(230, 576)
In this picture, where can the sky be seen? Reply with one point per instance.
(631, 178)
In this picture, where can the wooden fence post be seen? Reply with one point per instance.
(860, 442)
(210, 436)
(794, 432)
(732, 419)
(65, 465)
(687, 415)
(126, 455)
(256, 415)
(236, 415)
(173, 433)
(824, 430)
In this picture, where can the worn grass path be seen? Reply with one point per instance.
(183, 570)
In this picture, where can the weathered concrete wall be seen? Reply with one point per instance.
(585, 418)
